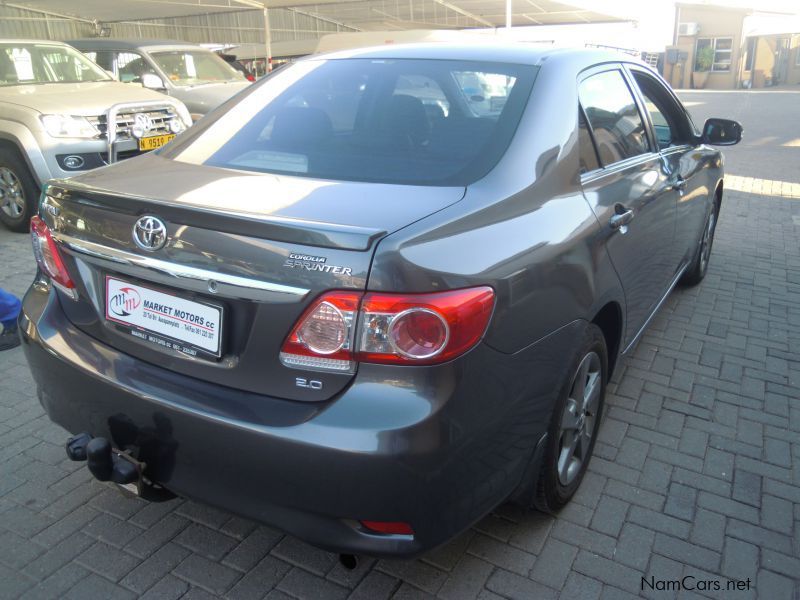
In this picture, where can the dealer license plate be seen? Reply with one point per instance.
(154, 141)
(164, 319)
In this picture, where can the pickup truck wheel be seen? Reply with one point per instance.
(574, 424)
(18, 192)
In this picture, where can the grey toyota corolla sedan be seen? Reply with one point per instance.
(377, 294)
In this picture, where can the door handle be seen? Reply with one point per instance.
(622, 217)
(679, 185)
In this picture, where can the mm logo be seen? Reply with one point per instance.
(124, 302)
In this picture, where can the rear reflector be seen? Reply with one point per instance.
(342, 328)
(49, 258)
(389, 527)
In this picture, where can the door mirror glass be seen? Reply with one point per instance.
(722, 132)
(153, 82)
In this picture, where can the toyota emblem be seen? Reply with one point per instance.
(150, 233)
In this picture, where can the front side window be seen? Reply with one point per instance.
(389, 121)
(131, 66)
(670, 126)
(195, 67)
(717, 51)
(619, 132)
(44, 63)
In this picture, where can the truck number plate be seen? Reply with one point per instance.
(155, 141)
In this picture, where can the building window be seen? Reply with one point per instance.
(751, 54)
(722, 52)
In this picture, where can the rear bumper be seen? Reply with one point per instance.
(438, 450)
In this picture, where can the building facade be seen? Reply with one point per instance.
(728, 48)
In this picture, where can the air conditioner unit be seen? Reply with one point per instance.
(688, 28)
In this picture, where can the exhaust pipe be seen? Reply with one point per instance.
(348, 561)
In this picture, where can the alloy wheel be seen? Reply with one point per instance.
(708, 238)
(578, 418)
(12, 196)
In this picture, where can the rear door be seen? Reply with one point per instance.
(629, 191)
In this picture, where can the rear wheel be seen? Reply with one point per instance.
(697, 270)
(574, 425)
(18, 193)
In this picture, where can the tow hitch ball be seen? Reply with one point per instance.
(104, 463)
(117, 466)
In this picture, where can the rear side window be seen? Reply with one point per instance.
(416, 122)
(616, 123)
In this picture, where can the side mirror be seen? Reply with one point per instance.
(153, 82)
(721, 132)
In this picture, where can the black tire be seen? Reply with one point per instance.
(699, 267)
(560, 475)
(19, 194)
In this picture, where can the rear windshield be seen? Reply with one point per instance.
(431, 122)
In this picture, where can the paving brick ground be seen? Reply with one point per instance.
(697, 472)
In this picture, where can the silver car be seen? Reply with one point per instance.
(55, 111)
(196, 76)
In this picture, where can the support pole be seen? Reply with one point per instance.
(508, 14)
(267, 42)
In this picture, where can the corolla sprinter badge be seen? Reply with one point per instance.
(150, 233)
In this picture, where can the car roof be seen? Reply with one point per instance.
(514, 52)
(30, 41)
(128, 44)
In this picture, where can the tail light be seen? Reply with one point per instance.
(323, 337)
(49, 258)
(342, 328)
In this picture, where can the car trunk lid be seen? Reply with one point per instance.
(257, 248)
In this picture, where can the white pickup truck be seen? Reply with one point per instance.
(61, 114)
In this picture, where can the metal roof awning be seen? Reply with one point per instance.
(358, 14)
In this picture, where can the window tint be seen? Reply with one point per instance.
(616, 124)
(390, 121)
(587, 153)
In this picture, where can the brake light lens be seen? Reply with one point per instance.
(342, 328)
(423, 328)
(49, 258)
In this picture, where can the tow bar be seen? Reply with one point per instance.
(116, 466)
